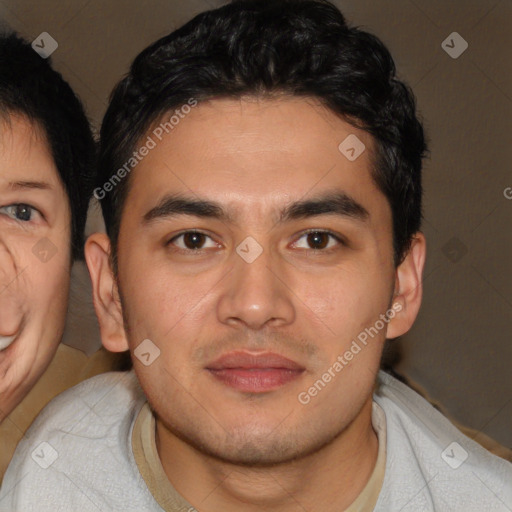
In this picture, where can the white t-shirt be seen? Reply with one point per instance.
(79, 456)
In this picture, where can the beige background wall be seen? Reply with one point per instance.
(460, 349)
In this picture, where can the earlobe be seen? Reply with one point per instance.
(408, 288)
(105, 294)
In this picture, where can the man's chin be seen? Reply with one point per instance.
(262, 452)
(251, 444)
(254, 453)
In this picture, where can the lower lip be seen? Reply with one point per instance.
(258, 380)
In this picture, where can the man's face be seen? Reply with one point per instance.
(306, 297)
(34, 259)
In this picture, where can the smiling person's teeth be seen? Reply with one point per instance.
(5, 341)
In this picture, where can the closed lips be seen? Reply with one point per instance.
(243, 360)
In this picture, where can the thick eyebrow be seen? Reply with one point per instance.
(20, 185)
(338, 203)
(173, 205)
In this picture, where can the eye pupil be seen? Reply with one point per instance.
(315, 239)
(23, 212)
(194, 239)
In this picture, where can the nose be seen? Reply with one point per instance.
(255, 295)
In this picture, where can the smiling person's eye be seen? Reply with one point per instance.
(320, 240)
(20, 212)
(190, 240)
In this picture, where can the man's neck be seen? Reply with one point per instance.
(330, 479)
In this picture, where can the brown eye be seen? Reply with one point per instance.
(191, 241)
(319, 240)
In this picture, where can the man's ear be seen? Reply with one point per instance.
(408, 288)
(105, 293)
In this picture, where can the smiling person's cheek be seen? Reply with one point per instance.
(35, 262)
(11, 295)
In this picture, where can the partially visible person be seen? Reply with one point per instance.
(47, 155)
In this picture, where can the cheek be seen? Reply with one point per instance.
(170, 313)
(159, 295)
(45, 289)
(50, 282)
(346, 299)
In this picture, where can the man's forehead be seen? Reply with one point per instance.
(189, 160)
(298, 130)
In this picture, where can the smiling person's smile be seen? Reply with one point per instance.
(6, 341)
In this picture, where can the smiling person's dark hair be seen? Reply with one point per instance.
(254, 48)
(30, 87)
